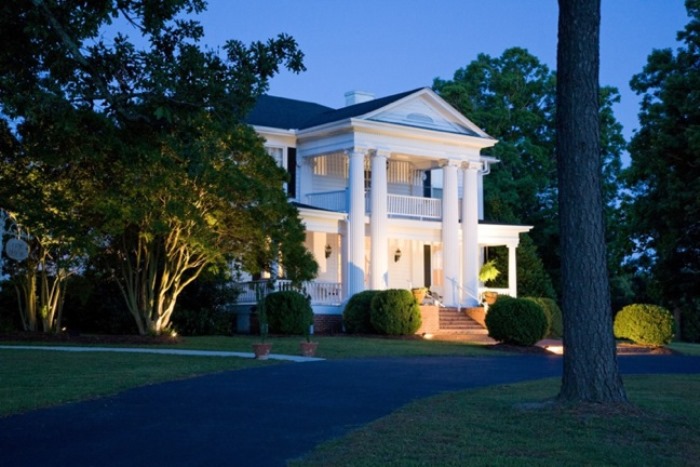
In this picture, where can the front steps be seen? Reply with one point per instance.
(453, 321)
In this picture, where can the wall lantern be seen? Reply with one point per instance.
(328, 251)
(397, 255)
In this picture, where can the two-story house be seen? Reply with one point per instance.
(390, 191)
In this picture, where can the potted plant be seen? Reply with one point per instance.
(261, 349)
(308, 348)
(419, 293)
(489, 272)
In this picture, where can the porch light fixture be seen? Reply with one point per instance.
(328, 251)
(397, 255)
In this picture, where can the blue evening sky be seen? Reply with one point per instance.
(390, 46)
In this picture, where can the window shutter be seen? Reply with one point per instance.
(292, 170)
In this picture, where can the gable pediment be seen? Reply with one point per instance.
(428, 111)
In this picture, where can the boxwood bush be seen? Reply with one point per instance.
(517, 321)
(395, 312)
(644, 324)
(555, 327)
(356, 314)
(288, 312)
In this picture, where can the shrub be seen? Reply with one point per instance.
(516, 321)
(644, 324)
(202, 322)
(356, 315)
(288, 312)
(552, 312)
(395, 312)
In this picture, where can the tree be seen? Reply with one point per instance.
(172, 182)
(664, 176)
(590, 366)
(513, 98)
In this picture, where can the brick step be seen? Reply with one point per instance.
(457, 322)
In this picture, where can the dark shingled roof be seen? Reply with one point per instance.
(279, 112)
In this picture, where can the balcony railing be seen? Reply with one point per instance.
(320, 293)
(415, 207)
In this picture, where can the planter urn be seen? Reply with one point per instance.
(262, 350)
(308, 349)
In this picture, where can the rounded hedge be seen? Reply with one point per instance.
(555, 327)
(516, 321)
(395, 312)
(288, 312)
(644, 324)
(356, 314)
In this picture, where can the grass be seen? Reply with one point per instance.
(487, 427)
(32, 379)
(333, 347)
(685, 348)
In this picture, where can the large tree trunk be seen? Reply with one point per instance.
(590, 365)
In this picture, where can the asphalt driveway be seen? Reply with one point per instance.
(260, 416)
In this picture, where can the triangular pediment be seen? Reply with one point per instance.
(426, 110)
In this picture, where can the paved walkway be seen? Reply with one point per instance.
(260, 416)
(195, 353)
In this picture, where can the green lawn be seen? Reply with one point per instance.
(490, 427)
(32, 379)
(332, 347)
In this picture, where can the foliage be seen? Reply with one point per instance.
(690, 318)
(512, 97)
(555, 327)
(488, 271)
(289, 312)
(357, 312)
(202, 322)
(533, 278)
(144, 148)
(664, 175)
(93, 306)
(516, 321)
(644, 324)
(395, 312)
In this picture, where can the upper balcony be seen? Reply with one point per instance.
(410, 207)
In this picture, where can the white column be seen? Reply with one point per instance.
(450, 234)
(480, 194)
(512, 271)
(378, 203)
(356, 218)
(470, 240)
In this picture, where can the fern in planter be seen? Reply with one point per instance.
(488, 271)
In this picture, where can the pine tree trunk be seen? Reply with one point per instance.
(590, 365)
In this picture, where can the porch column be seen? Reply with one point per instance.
(356, 219)
(470, 240)
(378, 203)
(450, 233)
(512, 271)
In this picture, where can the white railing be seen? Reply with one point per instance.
(330, 200)
(414, 206)
(397, 205)
(320, 293)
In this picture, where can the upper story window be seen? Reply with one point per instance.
(278, 155)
